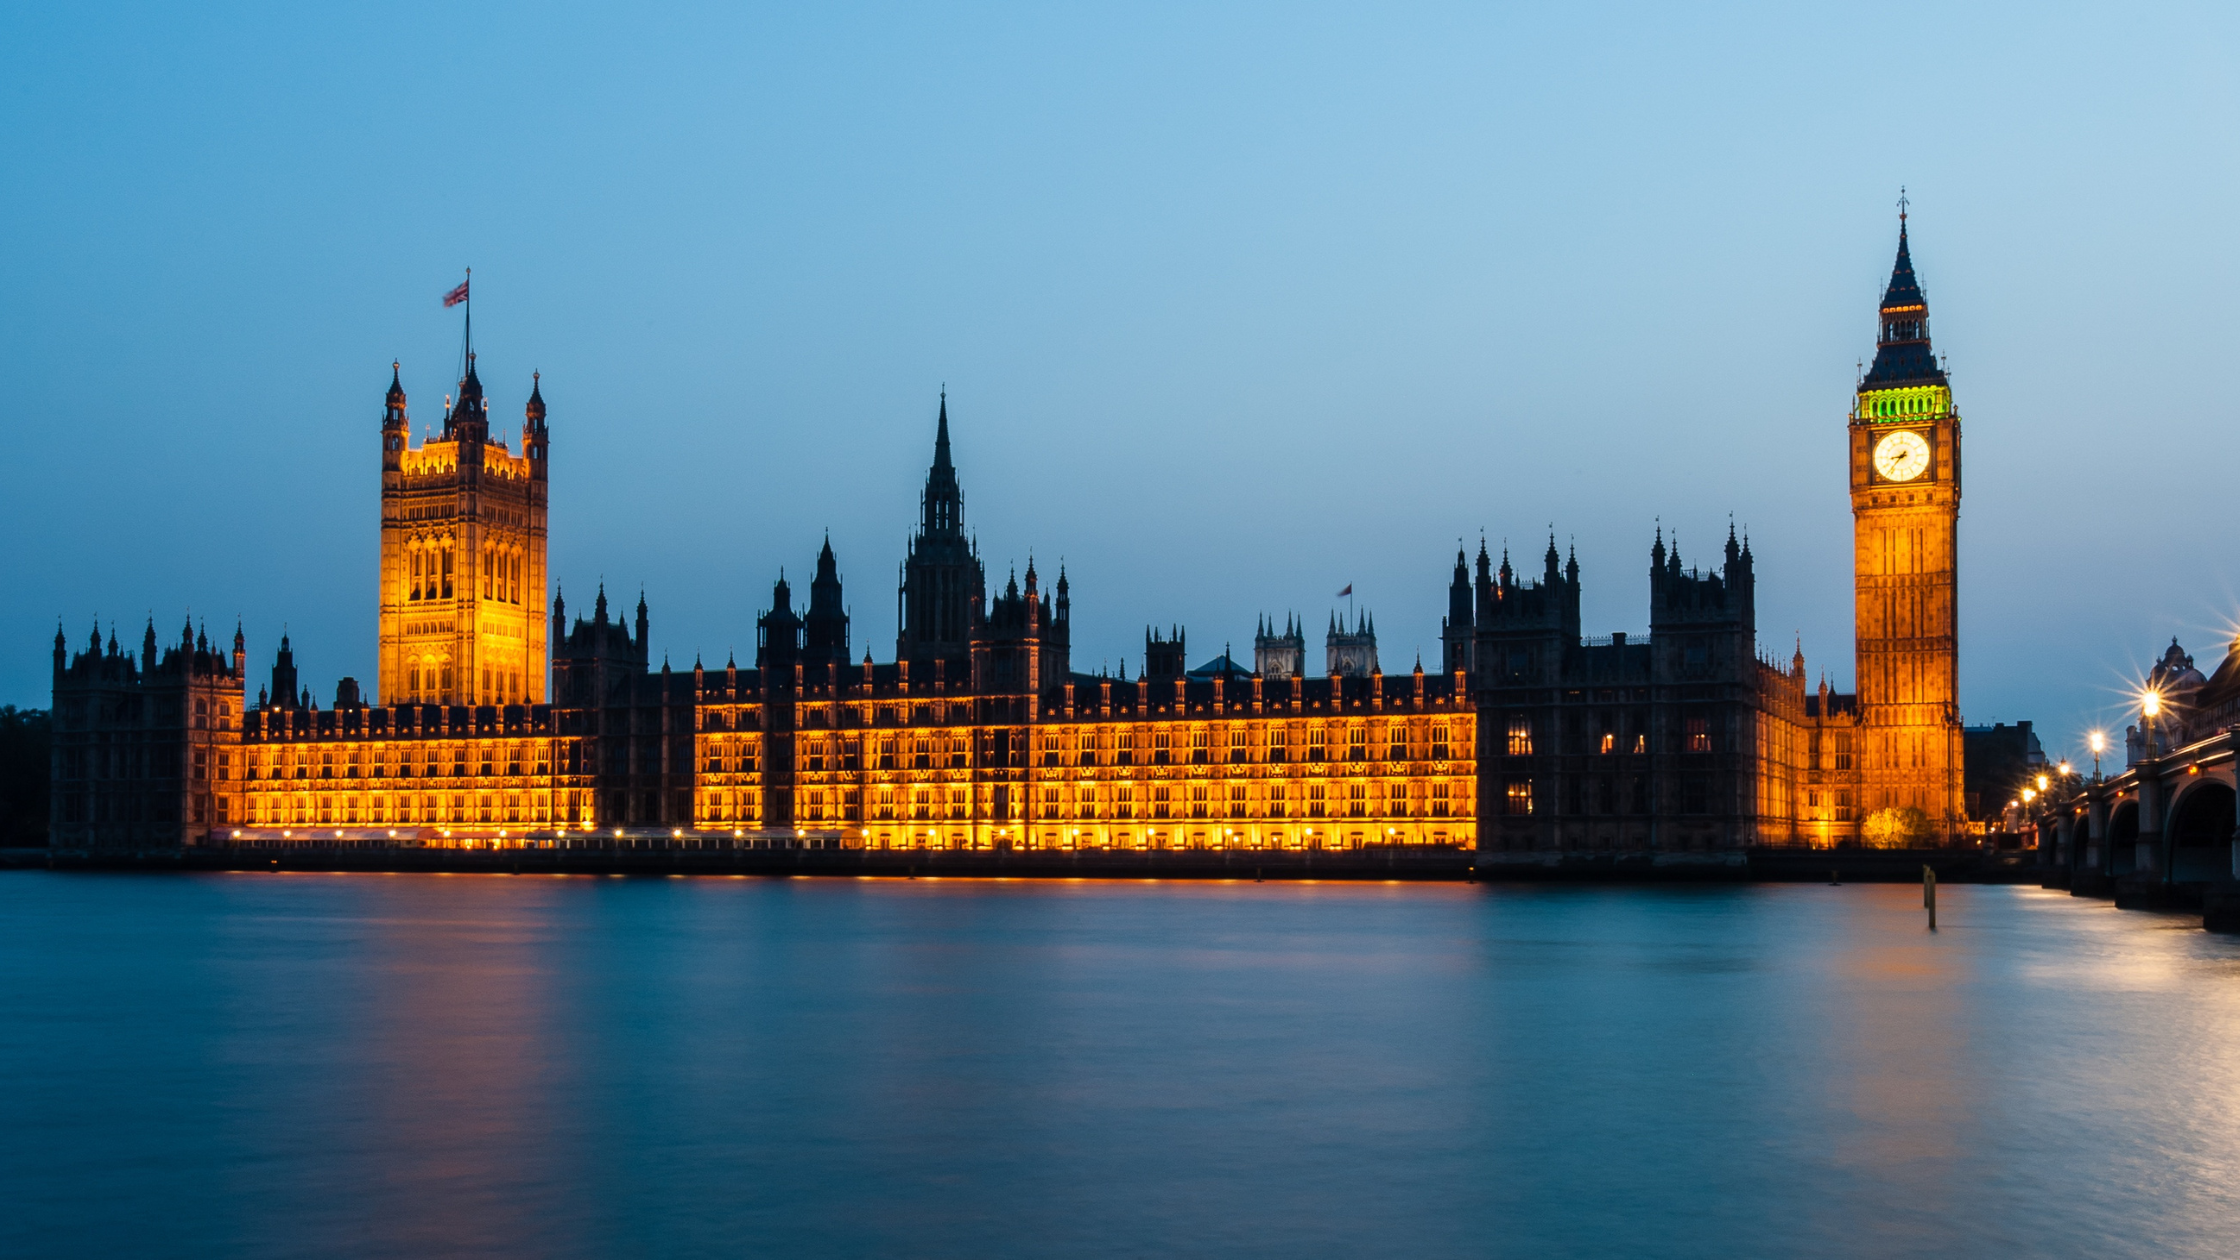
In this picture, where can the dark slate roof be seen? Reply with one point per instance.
(1222, 665)
(1903, 363)
(1904, 289)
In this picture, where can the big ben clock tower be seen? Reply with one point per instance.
(1905, 507)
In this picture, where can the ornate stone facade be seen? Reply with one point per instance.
(1530, 743)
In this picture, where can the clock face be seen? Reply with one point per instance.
(1902, 456)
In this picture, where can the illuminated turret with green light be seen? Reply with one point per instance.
(1905, 384)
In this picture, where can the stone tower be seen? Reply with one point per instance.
(941, 575)
(825, 629)
(1279, 654)
(462, 555)
(1905, 506)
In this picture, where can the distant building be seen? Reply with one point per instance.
(1351, 653)
(1281, 655)
(2002, 760)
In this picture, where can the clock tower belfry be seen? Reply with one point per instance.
(1905, 508)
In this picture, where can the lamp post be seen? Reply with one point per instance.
(2099, 742)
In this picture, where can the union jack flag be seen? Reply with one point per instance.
(456, 296)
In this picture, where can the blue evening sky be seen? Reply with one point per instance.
(1236, 305)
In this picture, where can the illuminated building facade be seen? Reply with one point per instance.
(462, 555)
(1887, 764)
(495, 719)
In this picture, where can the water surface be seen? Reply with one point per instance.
(353, 1065)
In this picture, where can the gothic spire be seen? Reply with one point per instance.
(942, 506)
(941, 434)
(1902, 353)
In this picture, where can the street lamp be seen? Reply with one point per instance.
(2099, 742)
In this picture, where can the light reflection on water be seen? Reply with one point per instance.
(411, 1066)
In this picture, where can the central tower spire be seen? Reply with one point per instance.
(942, 576)
(942, 507)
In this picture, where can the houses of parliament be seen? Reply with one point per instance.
(496, 718)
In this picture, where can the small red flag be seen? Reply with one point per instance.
(456, 296)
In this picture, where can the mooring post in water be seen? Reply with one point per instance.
(1929, 893)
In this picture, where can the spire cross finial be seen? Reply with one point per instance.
(1902, 204)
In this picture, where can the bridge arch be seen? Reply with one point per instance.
(2200, 831)
(2123, 837)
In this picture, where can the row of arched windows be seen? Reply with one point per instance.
(1916, 405)
(427, 681)
(503, 569)
(431, 565)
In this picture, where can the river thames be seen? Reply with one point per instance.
(365, 1065)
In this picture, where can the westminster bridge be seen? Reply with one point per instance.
(2158, 835)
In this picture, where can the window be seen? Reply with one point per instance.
(1519, 797)
(1843, 751)
(1698, 734)
(1278, 744)
(1318, 743)
(1609, 741)
(1396, 748)
(1695, 794)
(1439, 743)
(1237, 750)
(1843, 807)
(1197, 800)
(1357, 800)
(1276, 802)
(1439, 799)
(1198, 741)
(1357, 743)
(1520, 740)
